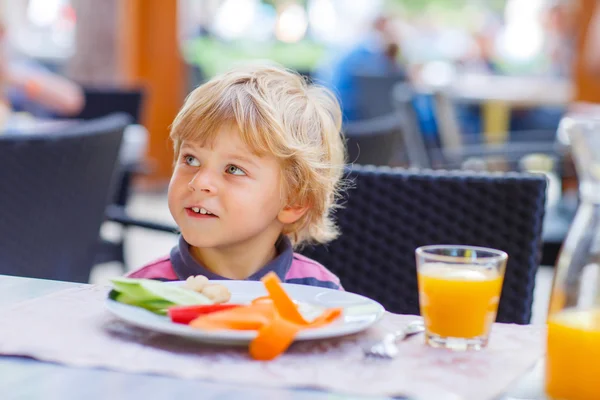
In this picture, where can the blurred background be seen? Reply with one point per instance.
(432, 44)
(461, 84)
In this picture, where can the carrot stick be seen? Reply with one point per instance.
(283, 303)
(252, 317)
(275, 317)
(273, 338)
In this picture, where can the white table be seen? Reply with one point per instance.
(499, 94)
(27, 378)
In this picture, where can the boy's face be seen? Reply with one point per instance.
(240, 192)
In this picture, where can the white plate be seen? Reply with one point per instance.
(359, 313)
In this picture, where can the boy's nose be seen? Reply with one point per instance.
(203, 181)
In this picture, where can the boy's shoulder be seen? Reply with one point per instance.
(158, 269)
(307, 271)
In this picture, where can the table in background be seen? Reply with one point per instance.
(498, 94)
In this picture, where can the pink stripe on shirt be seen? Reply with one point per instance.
(304, 267)
(161, 268)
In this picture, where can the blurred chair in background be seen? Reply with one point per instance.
(102, 101)
(374, 93)
(390, 140)
(56, 187)
(377, 141)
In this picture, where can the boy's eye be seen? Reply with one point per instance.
(191, 161)
(233, 170)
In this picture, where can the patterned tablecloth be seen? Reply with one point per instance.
(72, 327)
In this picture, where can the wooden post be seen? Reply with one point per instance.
(149, 56)
(585, 79)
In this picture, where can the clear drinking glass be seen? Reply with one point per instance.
(573, 341)
(459, 292)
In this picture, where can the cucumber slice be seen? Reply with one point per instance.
(155, 306)
(147, 290)
(133, 289)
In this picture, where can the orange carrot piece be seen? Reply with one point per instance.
(263, 299)
(283, 303)
(327, 317)
(275, 317)
(252, 317)
(274, 338)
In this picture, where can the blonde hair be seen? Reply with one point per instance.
(278, 113)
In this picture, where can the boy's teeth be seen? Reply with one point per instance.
(201, 211)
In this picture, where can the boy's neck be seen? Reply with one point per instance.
(235, 262)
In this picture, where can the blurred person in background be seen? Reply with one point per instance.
(27, 86)
(378, 54)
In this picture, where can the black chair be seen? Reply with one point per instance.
(374, 98)
(55, 188)
(390, 212)
(102, 101)
(377, 141)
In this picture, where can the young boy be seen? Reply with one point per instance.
(258, 161)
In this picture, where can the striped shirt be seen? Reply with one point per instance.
(290, 267)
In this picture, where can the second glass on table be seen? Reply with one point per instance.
(459, 292)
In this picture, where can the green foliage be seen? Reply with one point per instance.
(414, 7)
(418, 6)
(215, 56)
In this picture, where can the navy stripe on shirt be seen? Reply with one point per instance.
(313, 282)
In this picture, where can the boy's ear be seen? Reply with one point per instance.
(291, 214)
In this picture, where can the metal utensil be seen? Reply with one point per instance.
(387, 348)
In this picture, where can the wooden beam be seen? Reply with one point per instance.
(586, 79)
(148, 53)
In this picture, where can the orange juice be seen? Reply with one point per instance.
(458, 301)
(573, 358)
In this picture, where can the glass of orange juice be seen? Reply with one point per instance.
(573, 355)
(573, 330)
(459, 292)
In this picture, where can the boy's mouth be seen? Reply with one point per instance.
(200, 212)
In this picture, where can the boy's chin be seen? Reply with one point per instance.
(201, 241)
(206, 240)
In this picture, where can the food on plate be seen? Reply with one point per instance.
(186, 314)
(204, 305)
(216, 292)
(196, 283)
(275, 317)
(154, 295)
